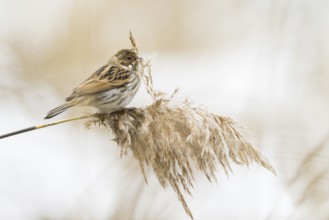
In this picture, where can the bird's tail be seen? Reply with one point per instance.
(58, 110)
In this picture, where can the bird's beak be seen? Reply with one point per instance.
(138, 60)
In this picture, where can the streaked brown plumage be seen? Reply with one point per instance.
(109, 89)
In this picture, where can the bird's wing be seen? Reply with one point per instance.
(106, 78)
(98, 72)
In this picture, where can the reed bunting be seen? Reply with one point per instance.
(110, 88)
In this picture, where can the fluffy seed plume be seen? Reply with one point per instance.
(173, 140)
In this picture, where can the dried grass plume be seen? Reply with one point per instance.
(173, 140)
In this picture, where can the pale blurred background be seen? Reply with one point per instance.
(264, 63)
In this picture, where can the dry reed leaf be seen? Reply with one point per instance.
(174, 139)
(305, 166)
(308, 185)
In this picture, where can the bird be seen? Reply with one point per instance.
(109, 89)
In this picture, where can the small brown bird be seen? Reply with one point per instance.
(109, 89)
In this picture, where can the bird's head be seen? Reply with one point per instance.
(126, 57)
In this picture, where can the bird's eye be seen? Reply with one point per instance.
(129, 57)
